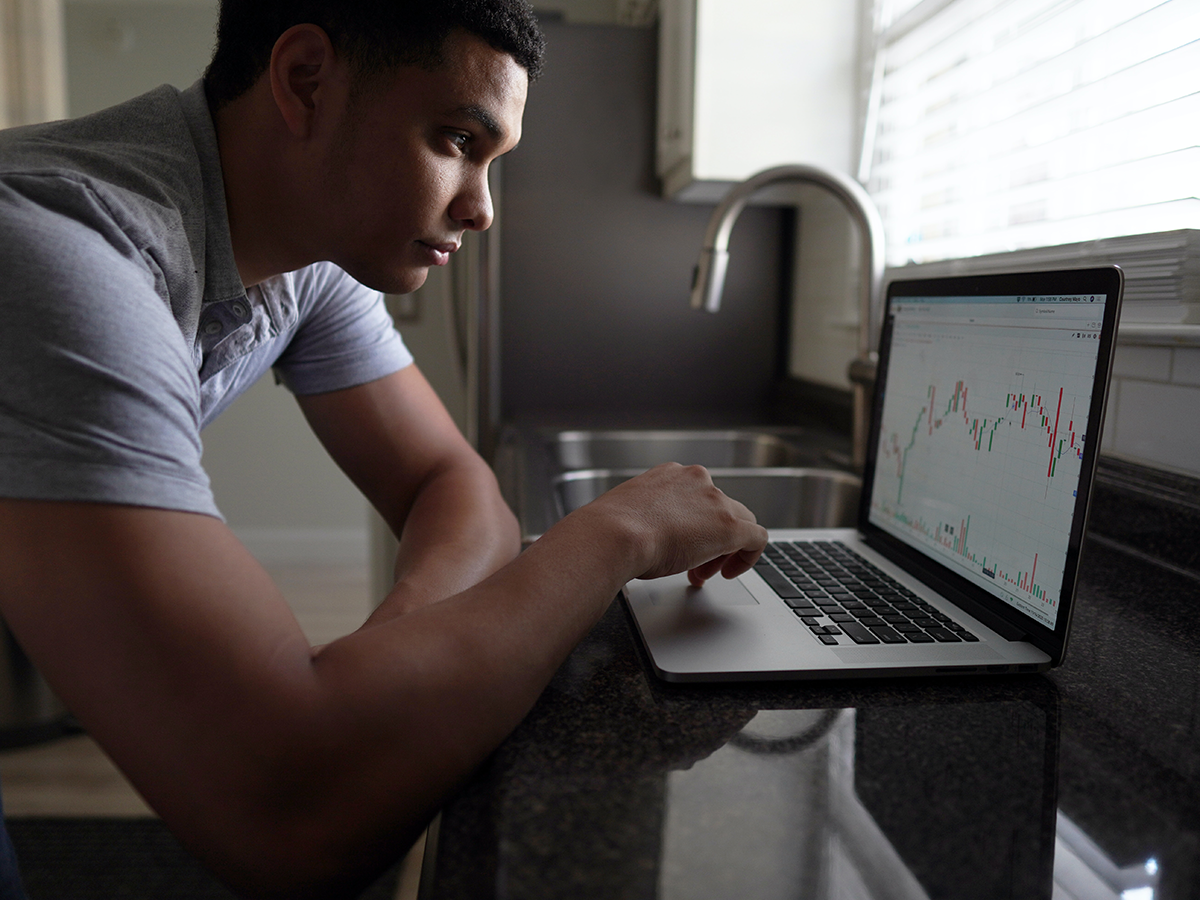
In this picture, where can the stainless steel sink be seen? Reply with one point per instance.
(778, 497)
(790, 476)
(644, 449)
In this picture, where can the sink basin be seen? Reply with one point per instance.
(790, 476)
(779, 497)
(644, 449)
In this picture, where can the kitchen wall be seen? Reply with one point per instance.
(595, 321)
(1154, 407)
(118, 50)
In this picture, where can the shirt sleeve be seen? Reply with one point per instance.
(99, 400)
(345, 336)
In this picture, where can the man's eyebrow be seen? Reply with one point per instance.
(484, 118)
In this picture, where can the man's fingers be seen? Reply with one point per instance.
(743, 561)
(702, 573)
(730, 565)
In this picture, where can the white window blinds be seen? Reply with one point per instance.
(996, 125)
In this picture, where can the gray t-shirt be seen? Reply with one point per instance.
(124, 326)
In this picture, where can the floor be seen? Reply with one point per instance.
(73, 777)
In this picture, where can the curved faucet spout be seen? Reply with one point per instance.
(708, 281)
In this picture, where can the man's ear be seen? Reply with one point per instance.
(305, 75)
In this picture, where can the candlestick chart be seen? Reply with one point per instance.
(980, 453)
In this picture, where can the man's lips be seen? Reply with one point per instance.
(439, 253)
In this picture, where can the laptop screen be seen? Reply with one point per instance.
(981, 436)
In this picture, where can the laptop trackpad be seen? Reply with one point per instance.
(716, 592)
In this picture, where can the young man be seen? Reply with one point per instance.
(155, 259)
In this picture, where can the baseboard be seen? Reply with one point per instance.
(306, 546)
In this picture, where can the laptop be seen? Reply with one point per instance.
(985, 432)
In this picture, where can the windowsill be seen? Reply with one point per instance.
(1159, 284)
(1148, 334)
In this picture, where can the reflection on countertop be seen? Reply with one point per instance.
(1084, 783)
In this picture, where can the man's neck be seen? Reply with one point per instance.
(264, 205)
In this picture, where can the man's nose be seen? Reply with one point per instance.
(472, 207)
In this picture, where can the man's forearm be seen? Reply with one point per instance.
(457, 532)
(285, 768)
(396, 441)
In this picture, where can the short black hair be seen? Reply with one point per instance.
(374, 36)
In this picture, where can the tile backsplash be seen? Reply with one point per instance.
(1154, 407)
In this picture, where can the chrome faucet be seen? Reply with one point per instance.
(708, 281)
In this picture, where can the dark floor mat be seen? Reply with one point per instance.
(120, 859)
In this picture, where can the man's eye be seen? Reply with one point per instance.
(459, 140)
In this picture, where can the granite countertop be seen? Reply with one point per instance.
(1084, 782)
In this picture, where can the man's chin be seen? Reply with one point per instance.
(403, 282)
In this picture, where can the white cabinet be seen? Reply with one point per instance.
(744, 85)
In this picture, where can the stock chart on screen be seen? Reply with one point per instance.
(982, 436)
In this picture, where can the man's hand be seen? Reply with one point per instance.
(685, 523)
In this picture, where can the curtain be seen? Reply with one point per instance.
(32, 68)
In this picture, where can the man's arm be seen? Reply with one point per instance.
(299, 773)
(396, 441)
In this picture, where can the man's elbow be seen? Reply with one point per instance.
(309, 804)
(299, 860)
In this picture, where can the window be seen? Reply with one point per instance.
(997, 125)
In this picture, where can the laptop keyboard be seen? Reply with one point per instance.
(839, 595)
